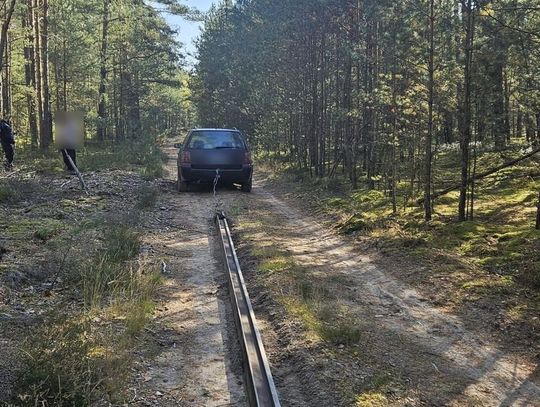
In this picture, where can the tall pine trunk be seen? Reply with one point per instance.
(29, 74)
(102, 106)
(37, 71)
(46, 119)
(429, 136)
(6, 108)
(537, 225)
(9, 8)
(465, 131)
(6, 21)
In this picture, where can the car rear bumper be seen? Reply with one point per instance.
(189, 174)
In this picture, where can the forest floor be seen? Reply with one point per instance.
(411, 314)
(76, 282)
(359, 322)
(137, 311)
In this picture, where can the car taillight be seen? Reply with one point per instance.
(186, 158)
(247, 158)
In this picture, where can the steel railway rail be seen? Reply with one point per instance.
(260, 385)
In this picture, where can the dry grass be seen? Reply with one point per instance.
(147, 197)
(304, 293)
(8, 193)
(79, 351)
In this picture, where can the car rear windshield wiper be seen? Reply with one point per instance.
(224, 147)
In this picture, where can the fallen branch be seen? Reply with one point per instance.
(65, 183)
(482, 175)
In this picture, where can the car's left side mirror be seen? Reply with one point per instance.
(177, 145)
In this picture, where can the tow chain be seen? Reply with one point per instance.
(217, 200)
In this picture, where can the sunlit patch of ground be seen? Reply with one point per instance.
(492, 261)
(333, 290)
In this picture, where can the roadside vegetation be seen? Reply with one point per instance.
(73, 275)
(494, 258)
(489, 264)
(501, 239)
(81, 354)
(143, 156)
(76, 287)
(387, 89)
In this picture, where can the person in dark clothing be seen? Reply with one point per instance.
(68, 137)
(7, 139)
(71, 153)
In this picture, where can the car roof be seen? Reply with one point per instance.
(213, 129)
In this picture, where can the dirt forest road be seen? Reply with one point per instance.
(194, 361)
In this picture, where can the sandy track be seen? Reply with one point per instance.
(442, 362)
(195, 362)
(195, 359)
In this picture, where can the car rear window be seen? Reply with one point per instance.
(214, 139)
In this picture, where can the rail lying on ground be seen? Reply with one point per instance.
(259, 383)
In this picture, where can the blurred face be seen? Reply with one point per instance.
(68, 130)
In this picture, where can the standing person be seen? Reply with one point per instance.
(7, 139)
(72, 153)
(68, 129)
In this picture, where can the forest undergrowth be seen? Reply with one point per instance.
(491, 260)
(74, 274)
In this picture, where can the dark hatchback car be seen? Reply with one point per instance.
(206, 152)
